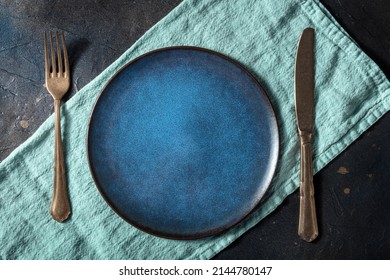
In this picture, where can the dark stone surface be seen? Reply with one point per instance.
(97, 33)
(353, 208)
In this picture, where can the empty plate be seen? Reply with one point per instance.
(183, 143)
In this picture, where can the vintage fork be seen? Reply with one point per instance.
(57, 82)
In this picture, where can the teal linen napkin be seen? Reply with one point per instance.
(351, 93)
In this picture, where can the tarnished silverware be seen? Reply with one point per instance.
(57, 82)
(304, 106)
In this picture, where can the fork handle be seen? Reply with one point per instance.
(60, 206)
(307, 227)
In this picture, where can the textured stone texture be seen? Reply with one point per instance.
(97, 33)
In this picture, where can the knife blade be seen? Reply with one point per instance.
(304, 108)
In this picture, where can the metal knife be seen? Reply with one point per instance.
(304, 107)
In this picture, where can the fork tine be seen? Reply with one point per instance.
(53, 56)
(66, 61)
(59, 56)
(47, 64)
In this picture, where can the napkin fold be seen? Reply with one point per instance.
(351, 93)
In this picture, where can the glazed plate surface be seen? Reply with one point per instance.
(183, 143)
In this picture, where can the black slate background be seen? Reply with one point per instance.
(353, 208)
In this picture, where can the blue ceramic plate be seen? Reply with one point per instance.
(183, 143)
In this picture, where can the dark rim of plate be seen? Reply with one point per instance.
(272, 168)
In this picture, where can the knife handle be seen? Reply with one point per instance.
(307, 229)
